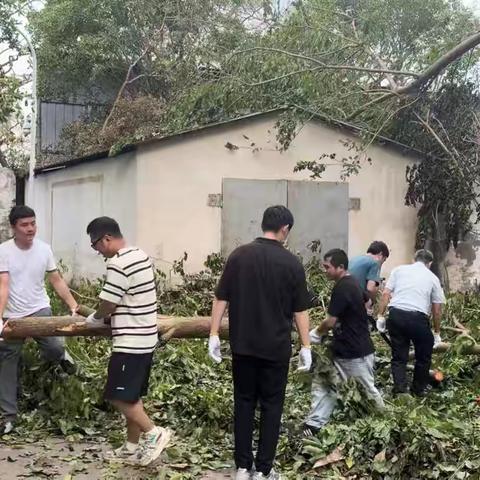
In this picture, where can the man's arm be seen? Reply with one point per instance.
(437, 315)
(326, 325)
(302, 321)
(372, 289)
(218, 310)
(384, 301)
(4, 290)
(104, 310)
(60, 286)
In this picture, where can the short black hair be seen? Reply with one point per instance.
(18, 212)
(378, 247)
(102, 226)
(337, 257)
(276, 217)
(424, 256)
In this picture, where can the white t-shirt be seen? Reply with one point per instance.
(26, 269)
(414, 288)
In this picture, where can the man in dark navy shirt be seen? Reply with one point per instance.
(265, 289)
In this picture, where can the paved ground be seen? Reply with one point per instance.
(59, 460)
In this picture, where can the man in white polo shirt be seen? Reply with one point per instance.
(412, 293)
(129, 299)
(24, 263)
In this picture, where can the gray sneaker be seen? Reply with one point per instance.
(243, 474)
(273, 475)
(121, 454)
(151, 447)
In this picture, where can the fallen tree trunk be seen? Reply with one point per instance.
(68, 326)
(168, 327)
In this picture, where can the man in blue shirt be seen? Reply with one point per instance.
(366, 268)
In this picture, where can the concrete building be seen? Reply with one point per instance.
(203, 191)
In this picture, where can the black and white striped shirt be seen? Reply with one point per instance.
(130, 284)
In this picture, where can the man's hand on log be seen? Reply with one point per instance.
(92, 320)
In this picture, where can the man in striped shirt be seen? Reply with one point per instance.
(129, 299)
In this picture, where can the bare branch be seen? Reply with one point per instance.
(441, 143)
(123, 86)
(151, 75)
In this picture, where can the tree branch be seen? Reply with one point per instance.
(324, 65)
(123, 86)
(444, 61)
(437, 138)
(360, 110)
(127, 80)
(281, 77)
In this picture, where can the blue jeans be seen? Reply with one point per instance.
(324, 398)
(53, 349)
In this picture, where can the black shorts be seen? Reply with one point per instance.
(128, 376)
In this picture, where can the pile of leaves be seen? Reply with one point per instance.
(436, 437)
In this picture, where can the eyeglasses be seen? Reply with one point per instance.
(94, 243)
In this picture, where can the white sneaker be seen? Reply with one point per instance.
(151, 446)
(121, 454)
(243, 474)
(273, 475)
(6, 427)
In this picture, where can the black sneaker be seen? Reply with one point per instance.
(309, 431)
(419, 393)
(68, 367)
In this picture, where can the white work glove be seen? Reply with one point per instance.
(381, 324)
(315, 338)
(436, 339)
(304, 359)
(92, 319)
(214, 348)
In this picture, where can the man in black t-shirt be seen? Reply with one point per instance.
(264, 286)
(352, 347)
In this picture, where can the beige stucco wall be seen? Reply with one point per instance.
(175, 177)
(65, 200)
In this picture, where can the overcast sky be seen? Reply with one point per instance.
(473, 4)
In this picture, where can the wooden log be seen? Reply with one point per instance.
(68, 326)
(168, 327)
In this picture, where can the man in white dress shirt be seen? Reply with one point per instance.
(413, 294)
